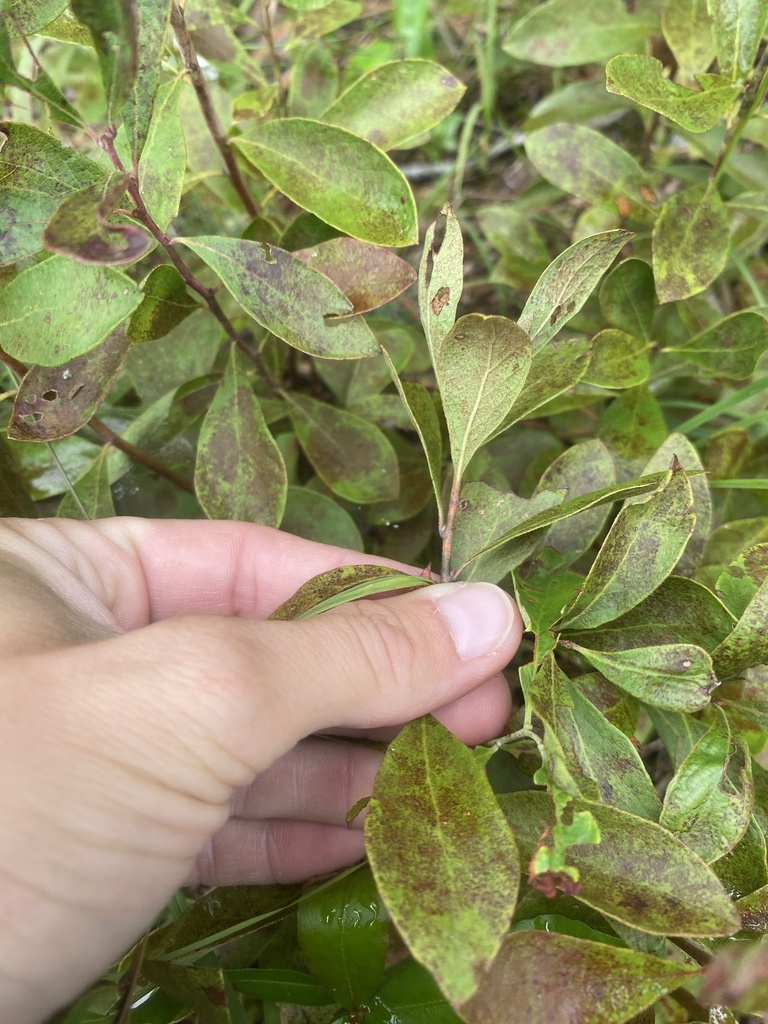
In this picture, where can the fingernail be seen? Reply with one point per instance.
(479, 615)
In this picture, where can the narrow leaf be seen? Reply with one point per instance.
(152, 24)
(396, 101)
(338, 586)
(640, 551)
(441, 280)
(80, 227)
(58, 309)
(279, 985)
(690, 242)
(339, 177)
(708, 803)
(739, 26)
(163, 161)
(566, 285)
(747, 645)
(352, 456)
(585, 981)
(114, 29)
(483, 363)
(638, 873)
(641, 78)
(442, 855)
(239, 472)
(673, 677)
(287, 297)
(55, 401)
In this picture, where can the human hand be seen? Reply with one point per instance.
(156, 732)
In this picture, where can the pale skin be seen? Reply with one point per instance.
(156, 731)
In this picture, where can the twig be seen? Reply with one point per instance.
(753, 98)
(215, 127)
(276, 70)
(446, 531)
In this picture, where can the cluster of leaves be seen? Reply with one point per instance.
(589, 864)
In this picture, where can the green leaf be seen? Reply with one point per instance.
(442, 855)
(687, 29)
(345, 583)
(747, 645)
(559, 34)
(628, 297)
(739, 26)
(15, 499)
(423, 415)
(317, 517)
(114, 29)
(581, 161)
(632, 428)
(708, 803)
(163, 160)
(336, 175)
(744, 869)
(368, 275)
(638, 873)
(187, 353)
(396, 101)
(618, 360)
(55, 401)
(58, 309)
(352, 456)
(731, 347)
(281, 293)
(343, 932)
(641, 549)
(239, 472)
(37, 174)
(165, 304)
(152, 24)
(80, 227)
(441, 279)
(200, 989)
(352, 381)
(641, 78)
(690, 242)
(279, 986)
(27, 16)
(409, 995)
(483, 363)
(540, 976)
(42, 86)
(92, 498)
(740, 581)
(674, 677)
(314, 81)
(567, 283)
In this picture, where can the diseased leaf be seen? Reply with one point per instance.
(640, 551)
(442, 855)
(441, 280)
(367, 275)
(55, 401)
(581, 161)
(343, 932)
(690, 242)
(739, 26)
(163, 159)
(93, 495)
(314, 81)
(396, 101)
(336, 175)
(747, 645)
(352, 456)
(165, 304)
(15, 499)
(37, 174)
(27, 16)
(566, 284)
(618, 360)
(708, 803)
(673, 677)
(317, 517)
(483, 363)
(291, 300)
(738, 583)
(628, 297)
(114, 28)
(338, 586)
(239, 471)
(41, 86)
(558, 34)
(638, 874)
(687, 29)
(80, 228)
(632, 428)
(731, 347)
(641, 78)
(585, 981)
(152, 24)
(59, 309)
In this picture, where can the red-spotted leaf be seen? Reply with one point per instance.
(368, 275)
(291, 300)
(690, 242)
(341, 178)
(544, 976)
(442, 855)
(239, 472)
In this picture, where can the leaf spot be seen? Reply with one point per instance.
(441, 299)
